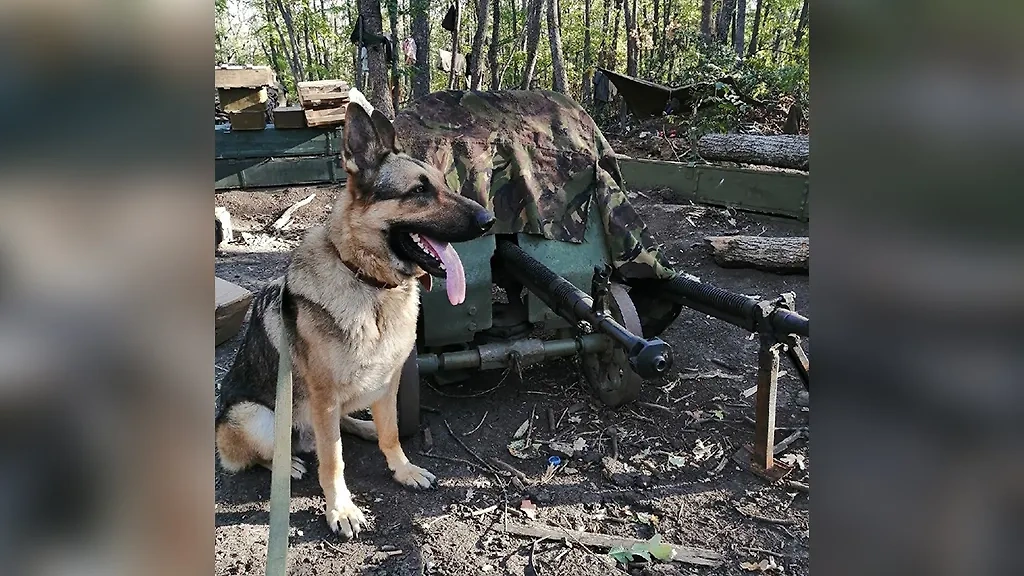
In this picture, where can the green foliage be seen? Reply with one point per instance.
(671, 52)
(652, 548)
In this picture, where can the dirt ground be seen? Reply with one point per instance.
(675, 478)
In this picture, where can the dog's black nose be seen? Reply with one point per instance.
(484, 220)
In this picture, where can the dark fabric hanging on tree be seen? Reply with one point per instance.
(449, 19)
(372, 40)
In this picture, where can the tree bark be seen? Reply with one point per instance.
(798, 37)
(663, 49)
(757, 28)
(602, 55)
(558, 79)
(272, 18)
(477, 64)
(453, 74)
(739, 31)
(588, 62)
(377, 78)
(613, 60)
(421, 34)
(631, 37)
(782, 151)
(705, 20)
(289, 25)
(765, 253)
(532, 42)
(396, 51)
(725, 20)
(492, 52)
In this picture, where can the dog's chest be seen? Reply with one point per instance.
(373, 341)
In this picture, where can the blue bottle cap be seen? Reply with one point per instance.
(554, 460)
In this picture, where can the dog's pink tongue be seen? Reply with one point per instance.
(455, 281)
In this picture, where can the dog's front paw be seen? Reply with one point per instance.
(345, 519)
(415, 477)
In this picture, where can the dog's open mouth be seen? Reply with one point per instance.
(437, 259)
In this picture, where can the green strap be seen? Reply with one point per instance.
(281, 471)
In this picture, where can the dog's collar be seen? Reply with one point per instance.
(366, 278)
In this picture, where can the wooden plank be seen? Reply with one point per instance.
(270, 172)
(247, 120)
(243, 76)
(243, 99)
(325, 117)
(320, 92)
(231, 303)
(698, 556)
(289, 118)
(273, 142)
(769, 192)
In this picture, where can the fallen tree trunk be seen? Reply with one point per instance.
(782, 151)
(765, 253)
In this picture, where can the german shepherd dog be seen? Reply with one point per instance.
(348, 306)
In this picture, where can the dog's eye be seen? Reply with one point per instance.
(419, 189)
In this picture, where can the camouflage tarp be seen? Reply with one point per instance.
(536, 160)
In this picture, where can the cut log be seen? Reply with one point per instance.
(232, 301)
(765, 253)
(782, 151)
(686, 554)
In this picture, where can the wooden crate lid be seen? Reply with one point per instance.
(244, 76)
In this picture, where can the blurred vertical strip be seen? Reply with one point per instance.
(106, 341)
(918, 135)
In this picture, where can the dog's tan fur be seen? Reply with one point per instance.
(349, 337)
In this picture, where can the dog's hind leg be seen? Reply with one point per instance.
(385, 416)
(246, 438)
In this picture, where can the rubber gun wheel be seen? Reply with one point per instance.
(609, 373)
(409, 398)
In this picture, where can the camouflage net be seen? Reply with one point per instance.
(537, 160)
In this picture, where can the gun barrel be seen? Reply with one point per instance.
(733, 308)
(650, 358)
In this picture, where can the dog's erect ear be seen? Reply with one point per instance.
(385, 130)
(363, 145)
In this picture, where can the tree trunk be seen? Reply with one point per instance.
(476, 67)
(614, 51)
(782, 151)
(272, 18)
(558, 79)
(655, 21)
(798, 38)
(602, 56)
(663, 48)
(740, 29)
(421, 35)
(631, 37)
(725, 20)
(532, 42)
(587, 57)
(289, 25)
(309, 50)
(757, 28)
(453, 73)
(492, 52)
(377, 78)
(396, 51)
(763, 252)
(706, 8)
